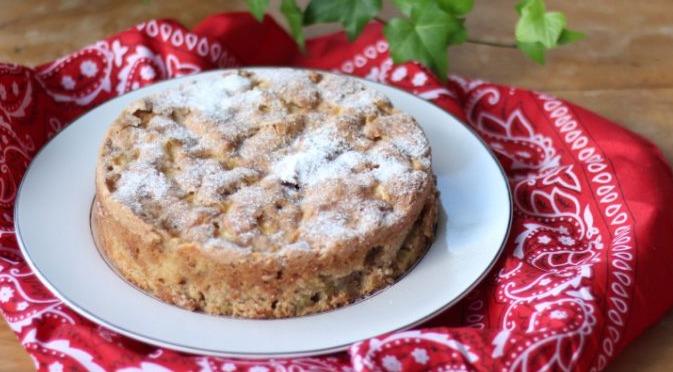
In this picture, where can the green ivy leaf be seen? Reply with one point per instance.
(352, 14)
(519, 6)
(458, 35)
(569, 36)
(406, 6)
(258, 8)
(538, 25)
(533, 50)
(294, 17)
(424, 37)
(538, 30)
(456, 7)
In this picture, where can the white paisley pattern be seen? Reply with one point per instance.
(559, 240)
(381, 70)
(94, 63)
(189, 40)
(366, 353)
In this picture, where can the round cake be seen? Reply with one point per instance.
(264, 193)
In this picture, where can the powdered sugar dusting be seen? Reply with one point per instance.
(211, 98)
(283, 77)
(388, 168)
(313, 152)
(215, 185)
(310, 160)
(351, 95)
(139, 183)
(329, 224)
(322, 155)
(340, 167)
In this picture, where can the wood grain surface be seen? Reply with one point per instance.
(622, 71)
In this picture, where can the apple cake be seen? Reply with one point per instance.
(264, 193)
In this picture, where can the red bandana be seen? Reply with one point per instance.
(588, 263)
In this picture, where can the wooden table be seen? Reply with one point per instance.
(622, 72)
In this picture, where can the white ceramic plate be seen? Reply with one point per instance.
(52, 223)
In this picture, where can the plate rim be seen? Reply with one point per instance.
(261, 355)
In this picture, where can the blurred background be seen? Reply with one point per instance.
(621, 71)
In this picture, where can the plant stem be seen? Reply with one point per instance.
(491, 43)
